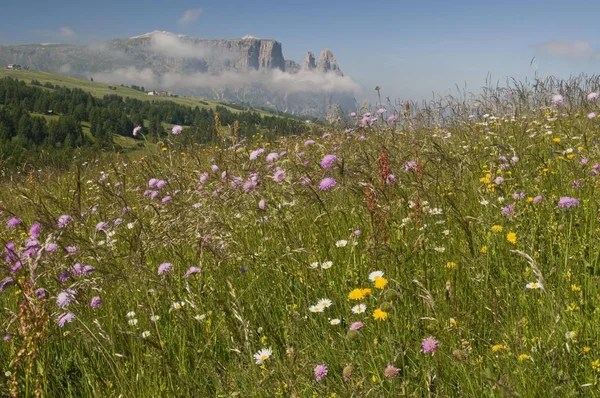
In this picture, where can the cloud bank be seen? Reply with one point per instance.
(190, 16)
(575, 49)
(172, 46)
(65, 31)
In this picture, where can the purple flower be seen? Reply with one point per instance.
(65, 298)
(356, 326)
(71, 249)
(177, 130)
(328, 161)
(6, 282)
(410, 165)
(584, 161)
(566, 201)
(380, 111)
(514, 159)
(166, 199)
(279, 175)
(256, 153)
(273, 156)
(352, 114)
(356, 232)
(327, 183)
(40, 293)
(518, 195)
(391, 119)
(65, 317)
(262, 204)
(557, 99)
(136, 131)
(390, 371)
(214, 168)
(320, 372)
(191, 271)
(7, 337)
(152, 183)
(51, 247)
(160, 184)
(390, 179)
(64, 220)
(538, 199)
(508, 210)
(101, 226)
(81, 269)
(164, 267)
(13, 222)
(309, 142)
(95, 302)
(592, 115)
(34, 230)
(592, 96)
(576, 184)
(429, 345)
(15, 267)
(305, 181)
(498, 180)
(203, 178)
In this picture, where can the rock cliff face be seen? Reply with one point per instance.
(309, 61)
(327, 62)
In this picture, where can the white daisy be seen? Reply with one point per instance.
(534, 285)
(327, 264)
(200, 317)
(178, 305)
(262, 355)
(324, 303)
(154, 318)
(130, 314)
(341, 243)
(374, 275)
(146, 334)
(316, 308)
(132, 322)
(334, 322)
(359, 309)
(314, 265)
(439, 249)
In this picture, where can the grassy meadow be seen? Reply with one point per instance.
(391, 256)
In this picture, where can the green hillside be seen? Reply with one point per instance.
(99, 90)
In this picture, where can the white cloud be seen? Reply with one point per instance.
(129, 75)
(575, 49)
(65, 31)
(173, 46)
(190, 16)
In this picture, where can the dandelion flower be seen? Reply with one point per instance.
(380, 315)
(380, 282)
(262, 355)
(359, 308)
(374, 275)
(511, 237)
(524, 357)
(356, 294)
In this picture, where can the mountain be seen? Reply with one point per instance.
(249, 70)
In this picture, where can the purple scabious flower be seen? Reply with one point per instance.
(508, 210)
(279, 175)
(390, 371)
(380, 111)
(64, 318)
(429, 345)
(95, 302)
(40, 293)
(356, 232)
(390, 179)
(214, 168)
(256, 153)
(191, 271)
(592, 96)
(557, 99)
(71, 249)
(65, 298)
(236, 182)
(320, 371)
(584, 161)
(538, 199)
(356, 326)
(203, 178)
(81, 269)
(13, 222)
(518, 195)
(166, 199)
(576, 184)
(566, 201)
(64, 276)
(102, 226)
(15, 267)
(592, 115)
(309, 142)
(410, 165)
(160, 184)
(177, 130)
(34, 230)
(352, 114)
(51, 247)
(262, 204)
(328, 161)
(6, 282)
(64, 220)
(164, 268)
(514, 159)
(273, 156)
(392, 118)
(136, 130)
(327, 183)
(498, 180)
(152, 183)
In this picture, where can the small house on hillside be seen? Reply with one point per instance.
(14, 67)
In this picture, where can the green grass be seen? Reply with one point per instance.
(452, 267)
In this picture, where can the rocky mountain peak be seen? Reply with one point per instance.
(328, 63)
(309, 61)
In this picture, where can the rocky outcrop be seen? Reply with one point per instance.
(309, 61)
(328, 63)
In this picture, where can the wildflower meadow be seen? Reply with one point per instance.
(395, 252)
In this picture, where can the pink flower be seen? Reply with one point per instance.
(390, 371)
(328, 161)
(177, 130)
(327, 183)
(429, 345)
(320, 372)
(136, 131)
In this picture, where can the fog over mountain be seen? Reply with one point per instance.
(249, 70)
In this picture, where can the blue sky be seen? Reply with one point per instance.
(409, 48)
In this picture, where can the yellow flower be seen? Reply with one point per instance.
(380, 315)
(451, 265)
(164, 149)
(511, 237)
(596, 365)
(380, 282)
(497, 228)
(486, 179)
(374, 379)
(586, 350)
(366, 291)
(570, 156)
(556, 139)
(497, 347)
(484, 249)
(453, 323)
(356, 294)
(524, 357)
(575, 288)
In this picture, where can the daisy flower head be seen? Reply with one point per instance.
(335, 322)
(146, 334)
(178, 305)
(359, 308)
(341, 243)
(324, 303)
(327, 264)
(314, 265)
(262, 355)
(374, 275)
(316, 308)
(130, 314)
(136, 131)
(534, 285)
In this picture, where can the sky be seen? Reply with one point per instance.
(410, 49)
